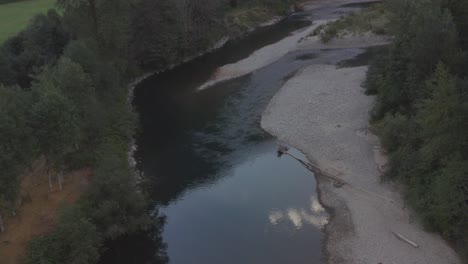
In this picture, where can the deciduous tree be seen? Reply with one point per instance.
(54, 121)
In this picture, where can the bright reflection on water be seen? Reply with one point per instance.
(297, 217)
(263, 210)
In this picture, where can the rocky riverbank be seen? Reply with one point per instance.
(323, 111)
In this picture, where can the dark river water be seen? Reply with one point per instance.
(214, 173)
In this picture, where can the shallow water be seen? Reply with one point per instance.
(215, 173)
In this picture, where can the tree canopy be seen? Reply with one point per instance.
(421, 113)
(64, 97)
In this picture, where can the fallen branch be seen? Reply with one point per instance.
(313, 168)
(403, 238)
(318, 171)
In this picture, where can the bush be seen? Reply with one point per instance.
(113, 202)
(74, 240)
(41, 43)
(375, 20)
(421, 113)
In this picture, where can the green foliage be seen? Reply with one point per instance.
(449, 213)
(459, 10)
(78, 88)
(394, 131)
(374, 19)
(375, 76)
(421, 113)
(74, 107)
(16, 142)
(7, 73)
(113, 202)
(55, 119)
(41, 43)
(85, 52)
(251, 13)
(442, 118)
(400, 80)
(74, 240)
(166, 32)
(15, 15)
(152, 37)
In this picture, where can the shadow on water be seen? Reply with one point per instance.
(364, 58)
(146, 248)
(197, 71)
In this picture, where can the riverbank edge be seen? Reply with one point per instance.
(336, 221)
(346, 240)
(219, 44)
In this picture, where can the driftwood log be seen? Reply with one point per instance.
(403, 238)
(337, 182)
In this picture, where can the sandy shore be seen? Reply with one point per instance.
(348, 41)
(324, 112)
(260, 58)
(298, 40)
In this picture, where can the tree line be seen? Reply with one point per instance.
(421, 114)
(64, 97)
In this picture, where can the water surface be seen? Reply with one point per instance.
(215, 173)
(228, 198)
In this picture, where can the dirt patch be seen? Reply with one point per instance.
(39, 208)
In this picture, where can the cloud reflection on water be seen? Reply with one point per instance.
(316, 216)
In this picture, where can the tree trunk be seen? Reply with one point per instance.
(60, 179)
(50, 179)
(2, 228)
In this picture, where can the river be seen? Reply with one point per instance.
(214, 173)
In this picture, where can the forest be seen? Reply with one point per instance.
(421, 114)
(64, 98)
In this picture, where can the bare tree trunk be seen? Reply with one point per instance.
(50, 178)
(60, 179)
(2, 228)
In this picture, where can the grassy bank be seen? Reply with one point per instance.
(15, 15)
(250, 14)
(375, 20)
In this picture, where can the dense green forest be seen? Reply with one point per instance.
(64, 96)
(421, 113)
